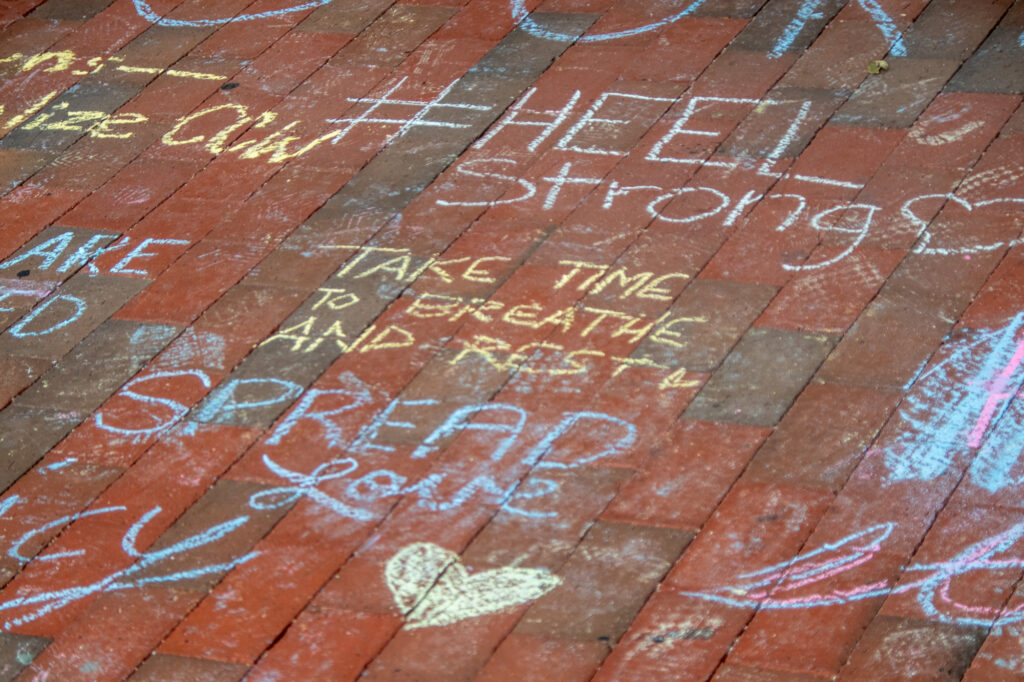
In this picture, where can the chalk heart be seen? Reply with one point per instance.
(432, 588)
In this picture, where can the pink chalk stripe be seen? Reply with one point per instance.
(997, 393)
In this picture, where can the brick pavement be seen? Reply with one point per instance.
(511, 340)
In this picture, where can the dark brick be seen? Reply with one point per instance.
(760, 378)
(759, 134)
(895, 98)
(395, 34)
(899, 648)
(995, 66)
(69, 10)
(26, 434)
(98, 366)
(69, 315)
(952, 29)
(17, 652)
(720, 313)
(168, 668)
(59, 252)
(18, 373)
(729, 8)
(81, 97)
(347, 17)
(765, 31)
(17, 165)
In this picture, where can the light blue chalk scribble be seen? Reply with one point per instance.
(887, 26)
(21, 331)
(992, 469)
(947, 401)
(222, 404)
(807, 11)
(147, 13)
(522, 17)
(305, 485)
(42, 603)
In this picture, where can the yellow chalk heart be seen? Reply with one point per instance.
(431, 587)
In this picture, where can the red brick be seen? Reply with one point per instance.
(114, 635)
(807, 638)
(1001, 655)
(687, 475)
(29, 209)
(829, 299)
(78, 484)
(823, 436)
(836, 60)
(955, 130)
(848, 154)
(528, 658)
(898, 648)
(977, 595)
(424, 654)
(735, 673)
(193, 282)
(996, 303)
(674, 633)
(741, 73)
(144, 487)
(622, 563)
(325, 642)
(129, 195)
(241, 617)
(755, 526)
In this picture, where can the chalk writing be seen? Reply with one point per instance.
(158, 413)
(62, 254)
(500, 421)
(144, 570)
(67, 60)
(66, 308)
(432, 588)
(781, 586)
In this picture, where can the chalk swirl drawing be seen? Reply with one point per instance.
(781, 586)
(806, 12)
(521, 15)
(432, 588)
(147, 13)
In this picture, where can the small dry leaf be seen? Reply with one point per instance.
(878, 66)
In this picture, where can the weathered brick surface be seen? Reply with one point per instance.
(511, 339)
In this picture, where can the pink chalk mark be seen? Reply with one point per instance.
(997, 393)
